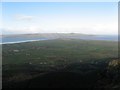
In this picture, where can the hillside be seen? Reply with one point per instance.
(60, 63)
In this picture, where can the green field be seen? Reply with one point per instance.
(25, 61)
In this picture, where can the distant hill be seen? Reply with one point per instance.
(48, 35)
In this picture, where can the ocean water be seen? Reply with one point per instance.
(102, 37)
(11, 40)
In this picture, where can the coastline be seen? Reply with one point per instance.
(22, 41)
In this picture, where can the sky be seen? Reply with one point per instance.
(60, 17)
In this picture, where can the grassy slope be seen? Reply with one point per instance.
(58, 51)
(80, 58)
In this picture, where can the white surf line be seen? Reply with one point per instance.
(23, 41)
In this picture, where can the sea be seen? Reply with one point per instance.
(12, 40)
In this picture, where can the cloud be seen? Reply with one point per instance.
(22, 30)
(23, 17)
(110, 28)
(34, 24)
